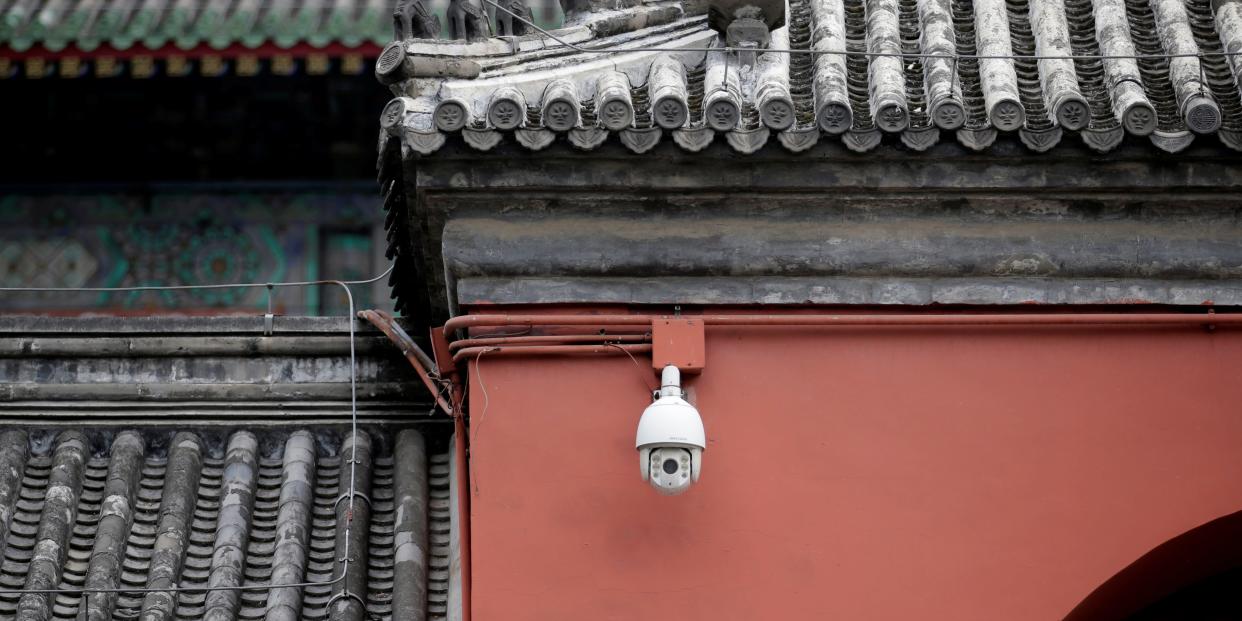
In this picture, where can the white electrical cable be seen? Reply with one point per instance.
(300, 283)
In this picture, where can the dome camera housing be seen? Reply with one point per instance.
(670, 439)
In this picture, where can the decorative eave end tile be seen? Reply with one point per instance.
(693, 139)
(1040, 141)
(640, 140)
(1172, 142)
(1103, 140)
(799, 140)
(587, 139)
(1231, 138)
(921, 139)
(481, 139)
(534, 139)
(748, 141)
(977, 139)
(861, 141)
(424, 143)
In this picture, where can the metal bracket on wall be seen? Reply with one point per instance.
(678, 341)
(346, 594)
(269, 317)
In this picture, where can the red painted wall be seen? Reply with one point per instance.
(960, 473)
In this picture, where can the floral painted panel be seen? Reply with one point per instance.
(187, 238)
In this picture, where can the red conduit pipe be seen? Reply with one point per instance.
(462, 322)
(549, 340)
(461, 455)
(807, 320)
(415, 356)
(423, 364)
(561, 350)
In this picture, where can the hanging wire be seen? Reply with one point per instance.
(299, 283)
(353, 458)
(353, 432)
(487, 400)
(623, 48)
(476, 427)
(642, 374)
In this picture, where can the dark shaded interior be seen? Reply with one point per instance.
(1218, 598)
(193, 128)
(1194, 576)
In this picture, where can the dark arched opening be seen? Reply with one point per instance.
(1192, 574)
(1213, 599)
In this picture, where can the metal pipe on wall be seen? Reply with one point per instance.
(422, 363)
(562, 350)
(483, 341)
(808, 320)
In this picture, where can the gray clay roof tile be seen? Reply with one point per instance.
(1083, 82)
(152, 508)
(186, 24)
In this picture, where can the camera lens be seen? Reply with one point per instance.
(670, 466)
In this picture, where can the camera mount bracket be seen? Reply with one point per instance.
(678, 341)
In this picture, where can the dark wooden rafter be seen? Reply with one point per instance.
(406, 281)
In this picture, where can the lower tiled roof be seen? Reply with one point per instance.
(218, 24)
(154, 507)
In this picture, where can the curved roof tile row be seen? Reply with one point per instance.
(198, 510)
(969, 69)
(186, 24)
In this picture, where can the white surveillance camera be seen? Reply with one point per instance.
(670, 439)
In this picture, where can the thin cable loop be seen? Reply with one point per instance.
(487, 400)
(476, 427)
(636, 363)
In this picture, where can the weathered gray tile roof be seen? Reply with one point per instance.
(146, 452)
(157, 507)
(970, 73)
(186, 24)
